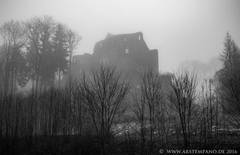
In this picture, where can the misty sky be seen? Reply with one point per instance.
(180, 29)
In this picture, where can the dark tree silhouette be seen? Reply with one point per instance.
(151, 92)
(104, 93)
(229, 80)
(12, 58)
(184, 93)
(39, 53)
(50, 47)
(139, 109)
(61, 51)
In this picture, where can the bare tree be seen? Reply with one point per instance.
(104, 93)
(139, 110)
(12, 59)
(151, 92)
(184, 91)
(12, 66)
(39, 31)
(72, 42)
(49, 51)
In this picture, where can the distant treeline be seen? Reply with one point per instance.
(38, 50)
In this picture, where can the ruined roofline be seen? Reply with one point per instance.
(110, 35)
(119, 37)
(153, 50)
(123, 49)
(126, 37)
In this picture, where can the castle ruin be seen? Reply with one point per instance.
(128, 52)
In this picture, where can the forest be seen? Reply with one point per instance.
(45, 110)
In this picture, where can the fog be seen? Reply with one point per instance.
(82, 77)
(181, 30)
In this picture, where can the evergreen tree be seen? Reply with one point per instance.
(229, 78)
